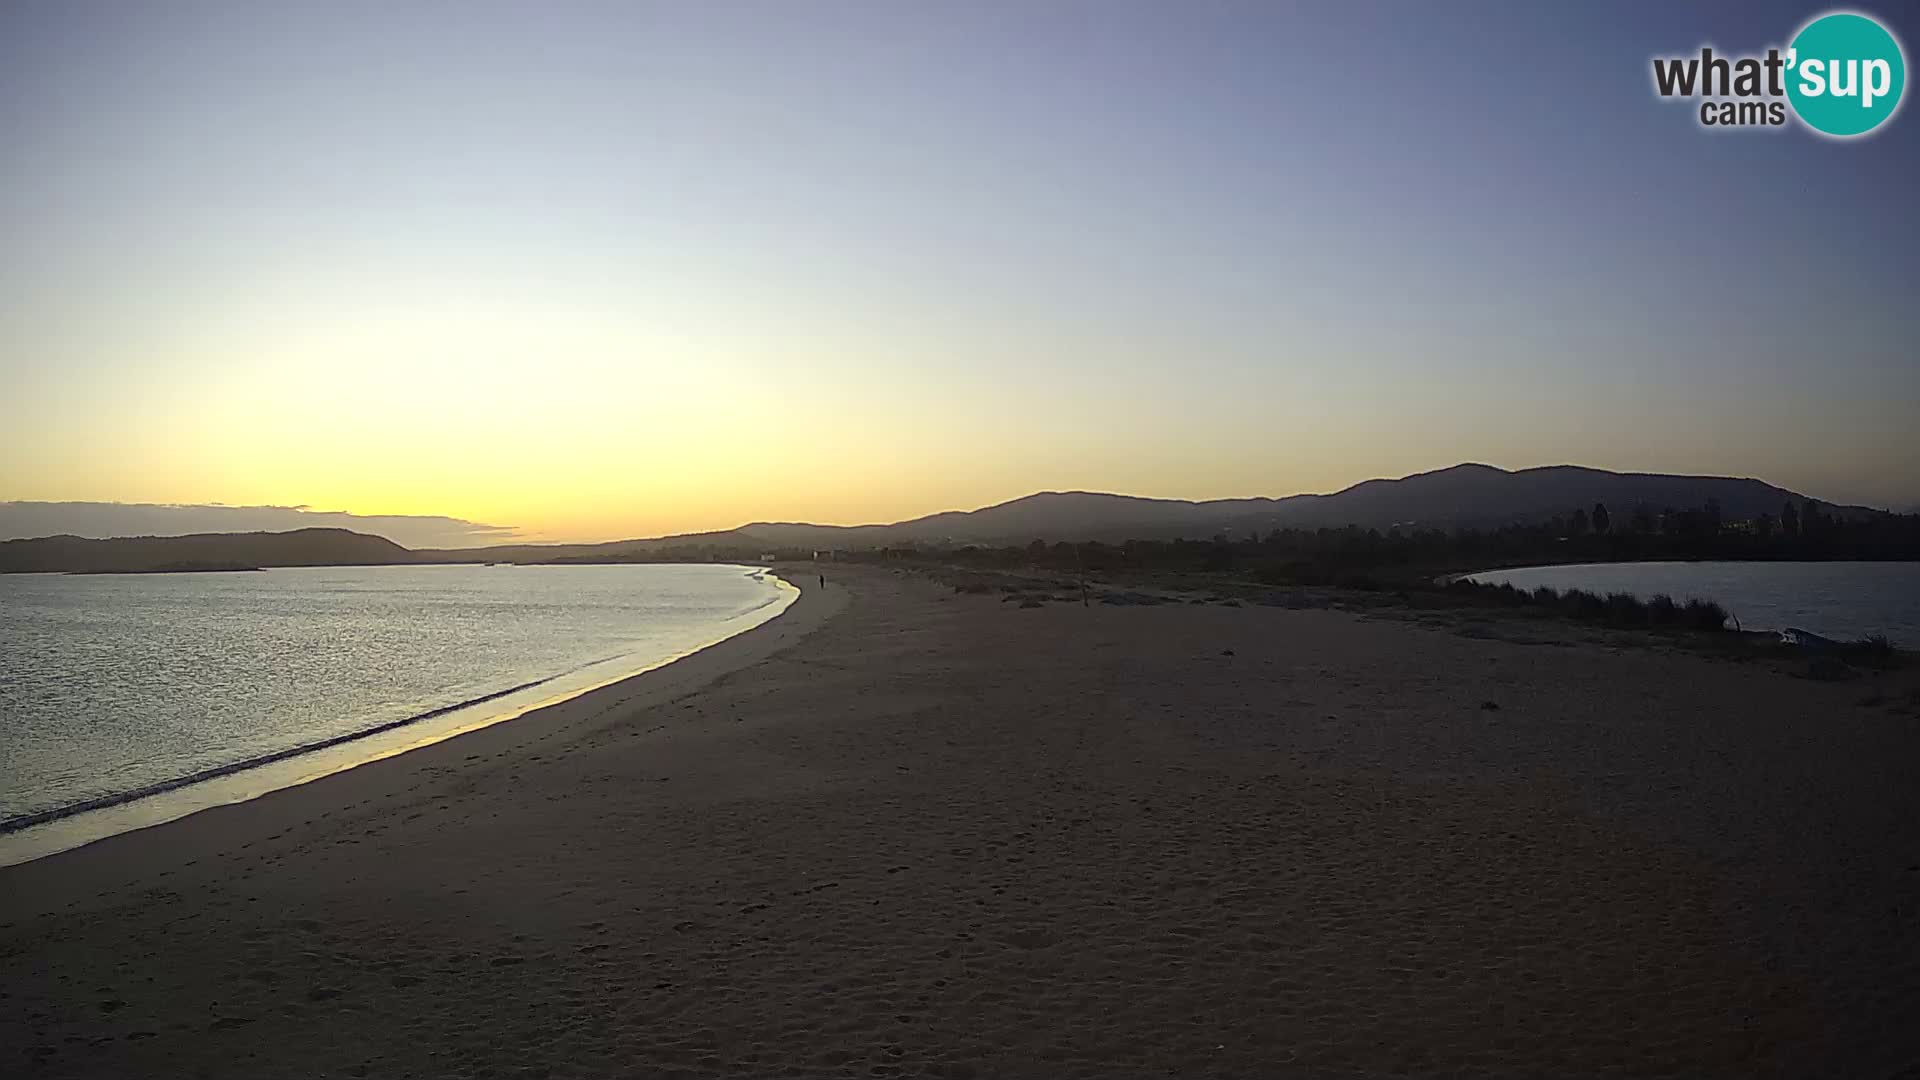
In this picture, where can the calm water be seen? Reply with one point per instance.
(111, 685)
(1843, 600)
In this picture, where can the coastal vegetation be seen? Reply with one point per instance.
(1359, 558)
(1424, 570)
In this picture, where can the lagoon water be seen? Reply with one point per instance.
(137, 685)
(1845, 600)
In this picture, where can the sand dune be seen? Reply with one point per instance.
(901, 832)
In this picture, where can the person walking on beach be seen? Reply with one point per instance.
(823, 581)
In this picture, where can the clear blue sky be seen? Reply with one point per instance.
(605, 269)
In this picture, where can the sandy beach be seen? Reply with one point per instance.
(903, 832)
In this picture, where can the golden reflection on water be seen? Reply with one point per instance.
(63, 834)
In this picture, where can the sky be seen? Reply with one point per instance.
(592, 271)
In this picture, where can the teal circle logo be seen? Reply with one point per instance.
(1845, 74)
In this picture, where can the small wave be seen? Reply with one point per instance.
(19, 822)
(756, 607)
(38, 817)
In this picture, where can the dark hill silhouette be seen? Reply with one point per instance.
(1481, 495)
(1050, 515)
(146, 554)
(1464, 496)
(694, 544)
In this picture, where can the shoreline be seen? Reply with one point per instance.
(51, 834)
(24, 822)
(922, 832)
(1819, 597)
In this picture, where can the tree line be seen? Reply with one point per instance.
(1355, 556)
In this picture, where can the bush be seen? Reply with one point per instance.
(1703, 615)
(1582, 604)
(1625, 609)
(1617, 608)
(1662, 611)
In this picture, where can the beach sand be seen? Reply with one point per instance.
(904, 832)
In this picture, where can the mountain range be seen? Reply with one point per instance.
(1464, 496)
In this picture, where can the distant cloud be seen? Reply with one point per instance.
(100, 520)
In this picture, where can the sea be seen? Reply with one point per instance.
(129, 699)
(1841, 600)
